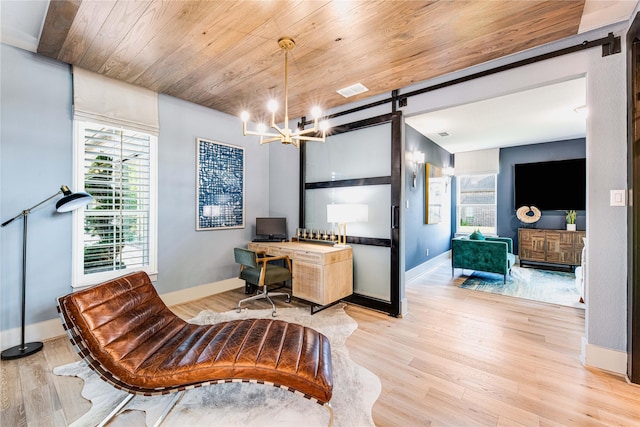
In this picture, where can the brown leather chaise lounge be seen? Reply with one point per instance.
(126, 334)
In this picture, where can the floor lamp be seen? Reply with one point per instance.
(69, 202)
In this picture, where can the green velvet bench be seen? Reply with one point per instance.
(492, 254)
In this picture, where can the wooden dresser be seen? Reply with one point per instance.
(321, 274)
(550, 246)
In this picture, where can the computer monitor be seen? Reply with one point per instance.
(271, 228)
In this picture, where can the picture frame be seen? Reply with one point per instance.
(220, 185)
(434, 194)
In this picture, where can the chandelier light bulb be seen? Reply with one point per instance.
(285, 134)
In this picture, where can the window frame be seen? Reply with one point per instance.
(79, 278)
(459, 206)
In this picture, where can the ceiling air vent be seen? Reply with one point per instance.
(352, 90)
(443, 133)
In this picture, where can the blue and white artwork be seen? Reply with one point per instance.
(220, 199)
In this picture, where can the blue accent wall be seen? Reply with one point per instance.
(420, 236)
(508, 223)
(36, 158)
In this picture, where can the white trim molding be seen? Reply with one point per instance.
(427, 266)
(594, 356)
(196, 292)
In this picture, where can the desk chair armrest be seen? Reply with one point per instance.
(265, 260)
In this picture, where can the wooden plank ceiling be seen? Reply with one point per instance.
(224, 54)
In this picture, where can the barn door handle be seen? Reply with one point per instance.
(395, 217)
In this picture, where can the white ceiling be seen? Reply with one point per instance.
(21, 22)
(537, 115)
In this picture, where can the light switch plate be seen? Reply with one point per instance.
(618, 198)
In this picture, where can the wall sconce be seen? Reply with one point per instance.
(417, 158)
(344, 213)
(448, 172)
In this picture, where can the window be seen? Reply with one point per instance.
(116, 233)
(477, 203)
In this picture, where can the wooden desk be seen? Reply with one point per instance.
(321, 274)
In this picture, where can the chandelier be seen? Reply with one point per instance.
(286, 135)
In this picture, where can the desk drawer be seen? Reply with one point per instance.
(304, 256)
(270, 249)
(280, 252)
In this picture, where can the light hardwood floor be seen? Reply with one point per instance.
(458, 358)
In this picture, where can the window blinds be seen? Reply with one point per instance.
(101, 99)
(482, 162)
(117, 173)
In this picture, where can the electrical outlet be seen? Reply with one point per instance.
(427, 252)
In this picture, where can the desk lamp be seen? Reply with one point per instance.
(344, 213)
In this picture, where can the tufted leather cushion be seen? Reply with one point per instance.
(128, 335)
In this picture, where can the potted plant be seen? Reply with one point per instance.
(571, 220)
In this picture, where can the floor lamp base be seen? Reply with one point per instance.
(20, 351)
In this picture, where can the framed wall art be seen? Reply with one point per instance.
(434, 189)
(220, 185)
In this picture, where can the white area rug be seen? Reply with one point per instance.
(355, 389)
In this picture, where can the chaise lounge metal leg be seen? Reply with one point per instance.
(169, 407)
(330, 409)
(116, 410)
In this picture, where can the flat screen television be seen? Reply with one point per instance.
(271, 228)
(556, 185)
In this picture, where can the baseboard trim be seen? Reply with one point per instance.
(594, 356)
(196, 292)
(50, 329)
(427, 266)
(404, 309)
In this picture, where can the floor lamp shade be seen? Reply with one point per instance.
(72, 201)
(69, 202)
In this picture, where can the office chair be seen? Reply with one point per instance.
(255, 269)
